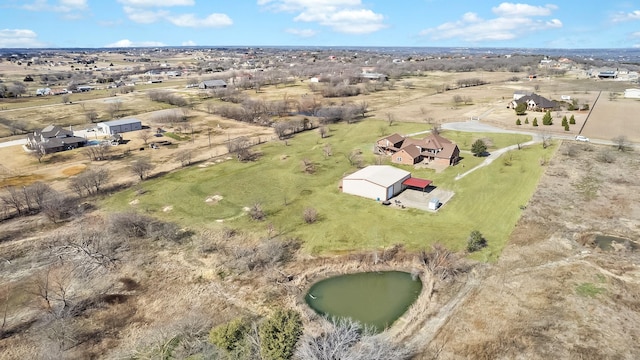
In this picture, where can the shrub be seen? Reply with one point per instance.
(279, 335)
(229, 336)
(476, 241)
(535, 122)
(478, 148)
(605, 157)
(256, 212)
(518, 122)
(310, 215)
(526, 120)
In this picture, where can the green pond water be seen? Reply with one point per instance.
(376, 299)
(606, 242)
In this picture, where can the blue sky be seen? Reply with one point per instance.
(449, 23)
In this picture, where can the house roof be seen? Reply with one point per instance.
(540, 101)
(393, 138)
(413, 150)
(52, 131)
(214, 83)
(120, 122)
(383, 175)
(447, 151)
(417, 182)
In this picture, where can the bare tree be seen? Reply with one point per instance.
(391, 118)
(355, 158)
(89, 182)
(322, 130)
(327, 150)
(184, 157)
(98, 152)
(621, 142)
(13, 199)
(91, 115)
(145, 135)
(113, 108)
(346, 339)
(38, 152)
(142, 167)
(66, 98)
(281, 128)
(241, 147)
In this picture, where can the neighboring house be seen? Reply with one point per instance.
(632, 93)
(378, 182)
(212, 84)
(119, 126)
(53, 139)
(373, 76)
(534, 102)
(520, 93)
(431, 149)
(43, 92)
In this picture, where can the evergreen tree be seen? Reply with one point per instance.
(518, 122)
(279, 335)
(564, 121)
(526, 120)
(566, 127)
(476, 241)
(478, 148)
(572, 120)
(547, 119)
(535, 122)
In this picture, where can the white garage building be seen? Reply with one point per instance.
(119, 126)
(378, 182)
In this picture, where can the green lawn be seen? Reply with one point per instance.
(488, 200)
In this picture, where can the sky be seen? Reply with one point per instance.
(564, 24)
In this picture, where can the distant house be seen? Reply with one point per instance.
(212, 84)
(520, 93)
(119, 126)
(43, 92)
(431, 149)
(373, 76)
(534, 102)
(608, 74)
(54, 139)
(632, 93)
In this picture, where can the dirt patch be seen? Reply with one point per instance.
(22, 180)
(214, 199)
(73, 170)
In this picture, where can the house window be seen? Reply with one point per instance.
(399, 158)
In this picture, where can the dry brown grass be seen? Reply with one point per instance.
(552, 294)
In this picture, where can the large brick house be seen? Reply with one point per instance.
(431, 149)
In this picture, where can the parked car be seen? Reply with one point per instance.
(582, 138)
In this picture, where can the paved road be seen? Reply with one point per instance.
(13, 143)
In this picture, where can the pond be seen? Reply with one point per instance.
(376, 299)
(608, 243)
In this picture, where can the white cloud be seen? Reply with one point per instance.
(19, 38)
(57, 6)
(157, 3)
(621, 17)
(129, 43)
(305, 33)
(140, 14)
(344, 16)
(635, 34)
(189, 43)
(190, 20)
(511, 9)
(512, 21)
(144, 16)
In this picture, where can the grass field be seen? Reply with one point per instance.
(489, 200)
